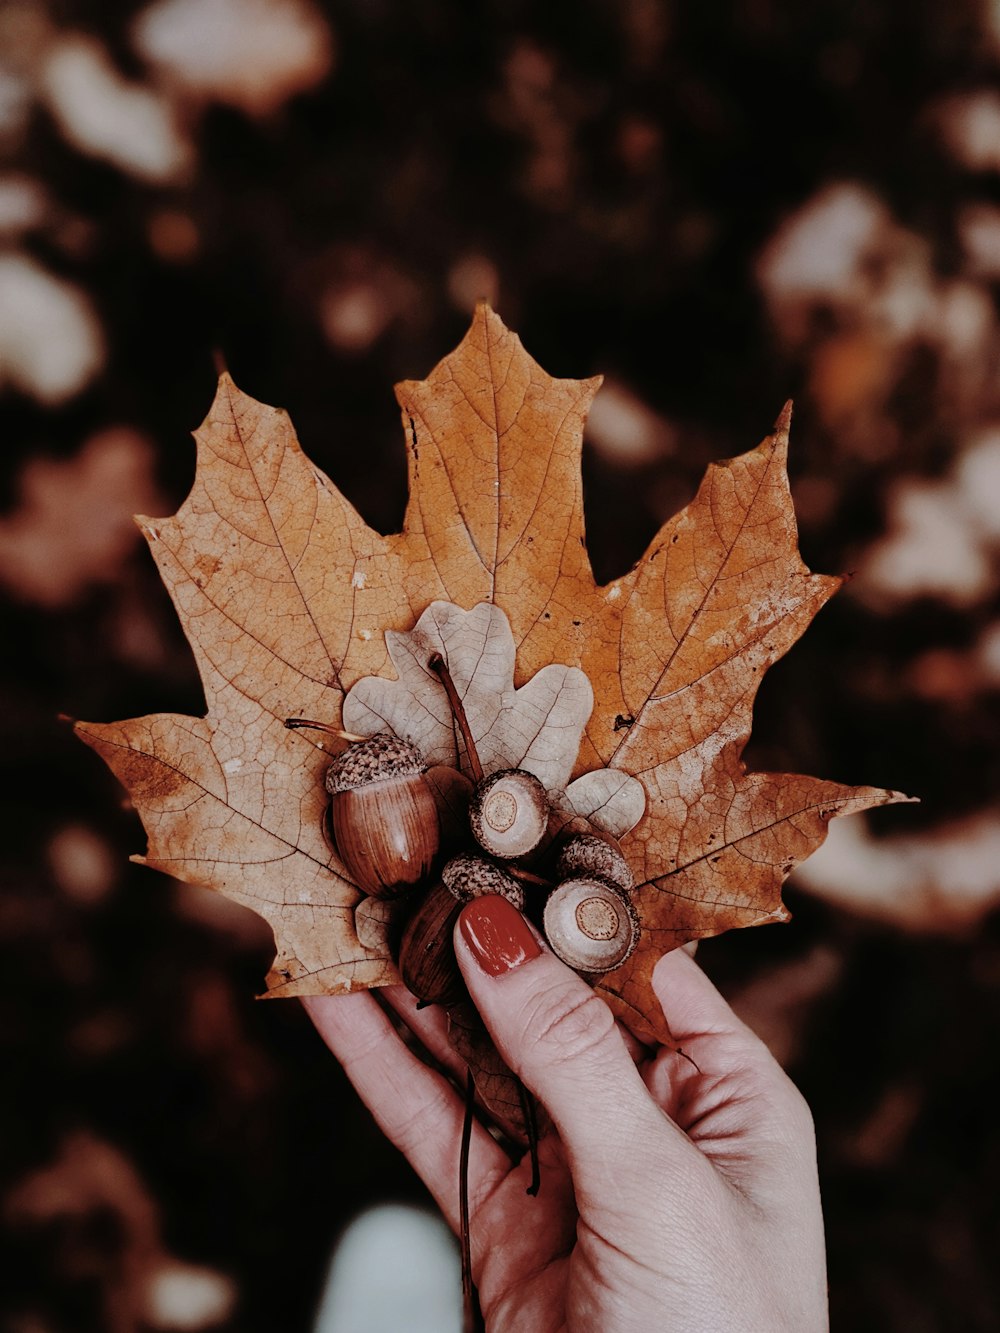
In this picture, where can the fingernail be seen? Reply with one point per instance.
(497, 934)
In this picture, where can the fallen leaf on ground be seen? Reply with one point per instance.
(290, 601)
(943, 880)
(72, 526)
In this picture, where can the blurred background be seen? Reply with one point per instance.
(717, 206)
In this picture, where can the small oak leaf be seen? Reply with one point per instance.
(378, 922)
(607, 798)
(537, 727)
(289, 600)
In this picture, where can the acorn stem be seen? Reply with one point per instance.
(297, 723)
(527, 877)
(439, 666)
(471, 1320)
(530, 1113)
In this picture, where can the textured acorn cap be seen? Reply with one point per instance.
(467, 877)
(591, 925)
(374, 760)
(588, 854)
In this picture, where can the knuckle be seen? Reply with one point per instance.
(563, 1026)
(415, 1127)
(798, 1113)
(789, 1120)
(768, 1084)
(367, 1051)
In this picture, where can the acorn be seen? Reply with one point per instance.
(590, 924)
(427, 961)
(509, 813)
(383, 815)
(583, 855)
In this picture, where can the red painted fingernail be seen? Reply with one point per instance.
(497, 934)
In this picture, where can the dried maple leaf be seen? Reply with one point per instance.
(289, 600)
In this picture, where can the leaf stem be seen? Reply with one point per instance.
(297, 723)
(439, 666)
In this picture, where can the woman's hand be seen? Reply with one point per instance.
(675, 1195)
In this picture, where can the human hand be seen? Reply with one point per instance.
(676, 1194)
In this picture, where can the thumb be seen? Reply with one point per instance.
(560, 1039)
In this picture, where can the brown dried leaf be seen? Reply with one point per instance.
(497, 1087)
(288, 599)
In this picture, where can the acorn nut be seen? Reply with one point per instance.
(427, 961)
(383, 815)
(509, 813)
(590, 924)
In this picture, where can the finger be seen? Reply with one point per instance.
(701, 1020)
(429, 1024)
(416, 1108)
(636, 1049)
(735, 1101)
(562, 1040)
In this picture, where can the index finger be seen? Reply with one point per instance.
(415, 1107)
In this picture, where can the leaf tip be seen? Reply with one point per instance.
(589, 388)
(82, 730)
(229, 404)
(784, 420)
(900, 798)
(149, 527)
(488, 326)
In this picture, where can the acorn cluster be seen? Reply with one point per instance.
(571, 880)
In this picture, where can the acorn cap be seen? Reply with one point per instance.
(590, 924)
(467, 877)
(587, 854)
(379, 757)
(509, 812)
